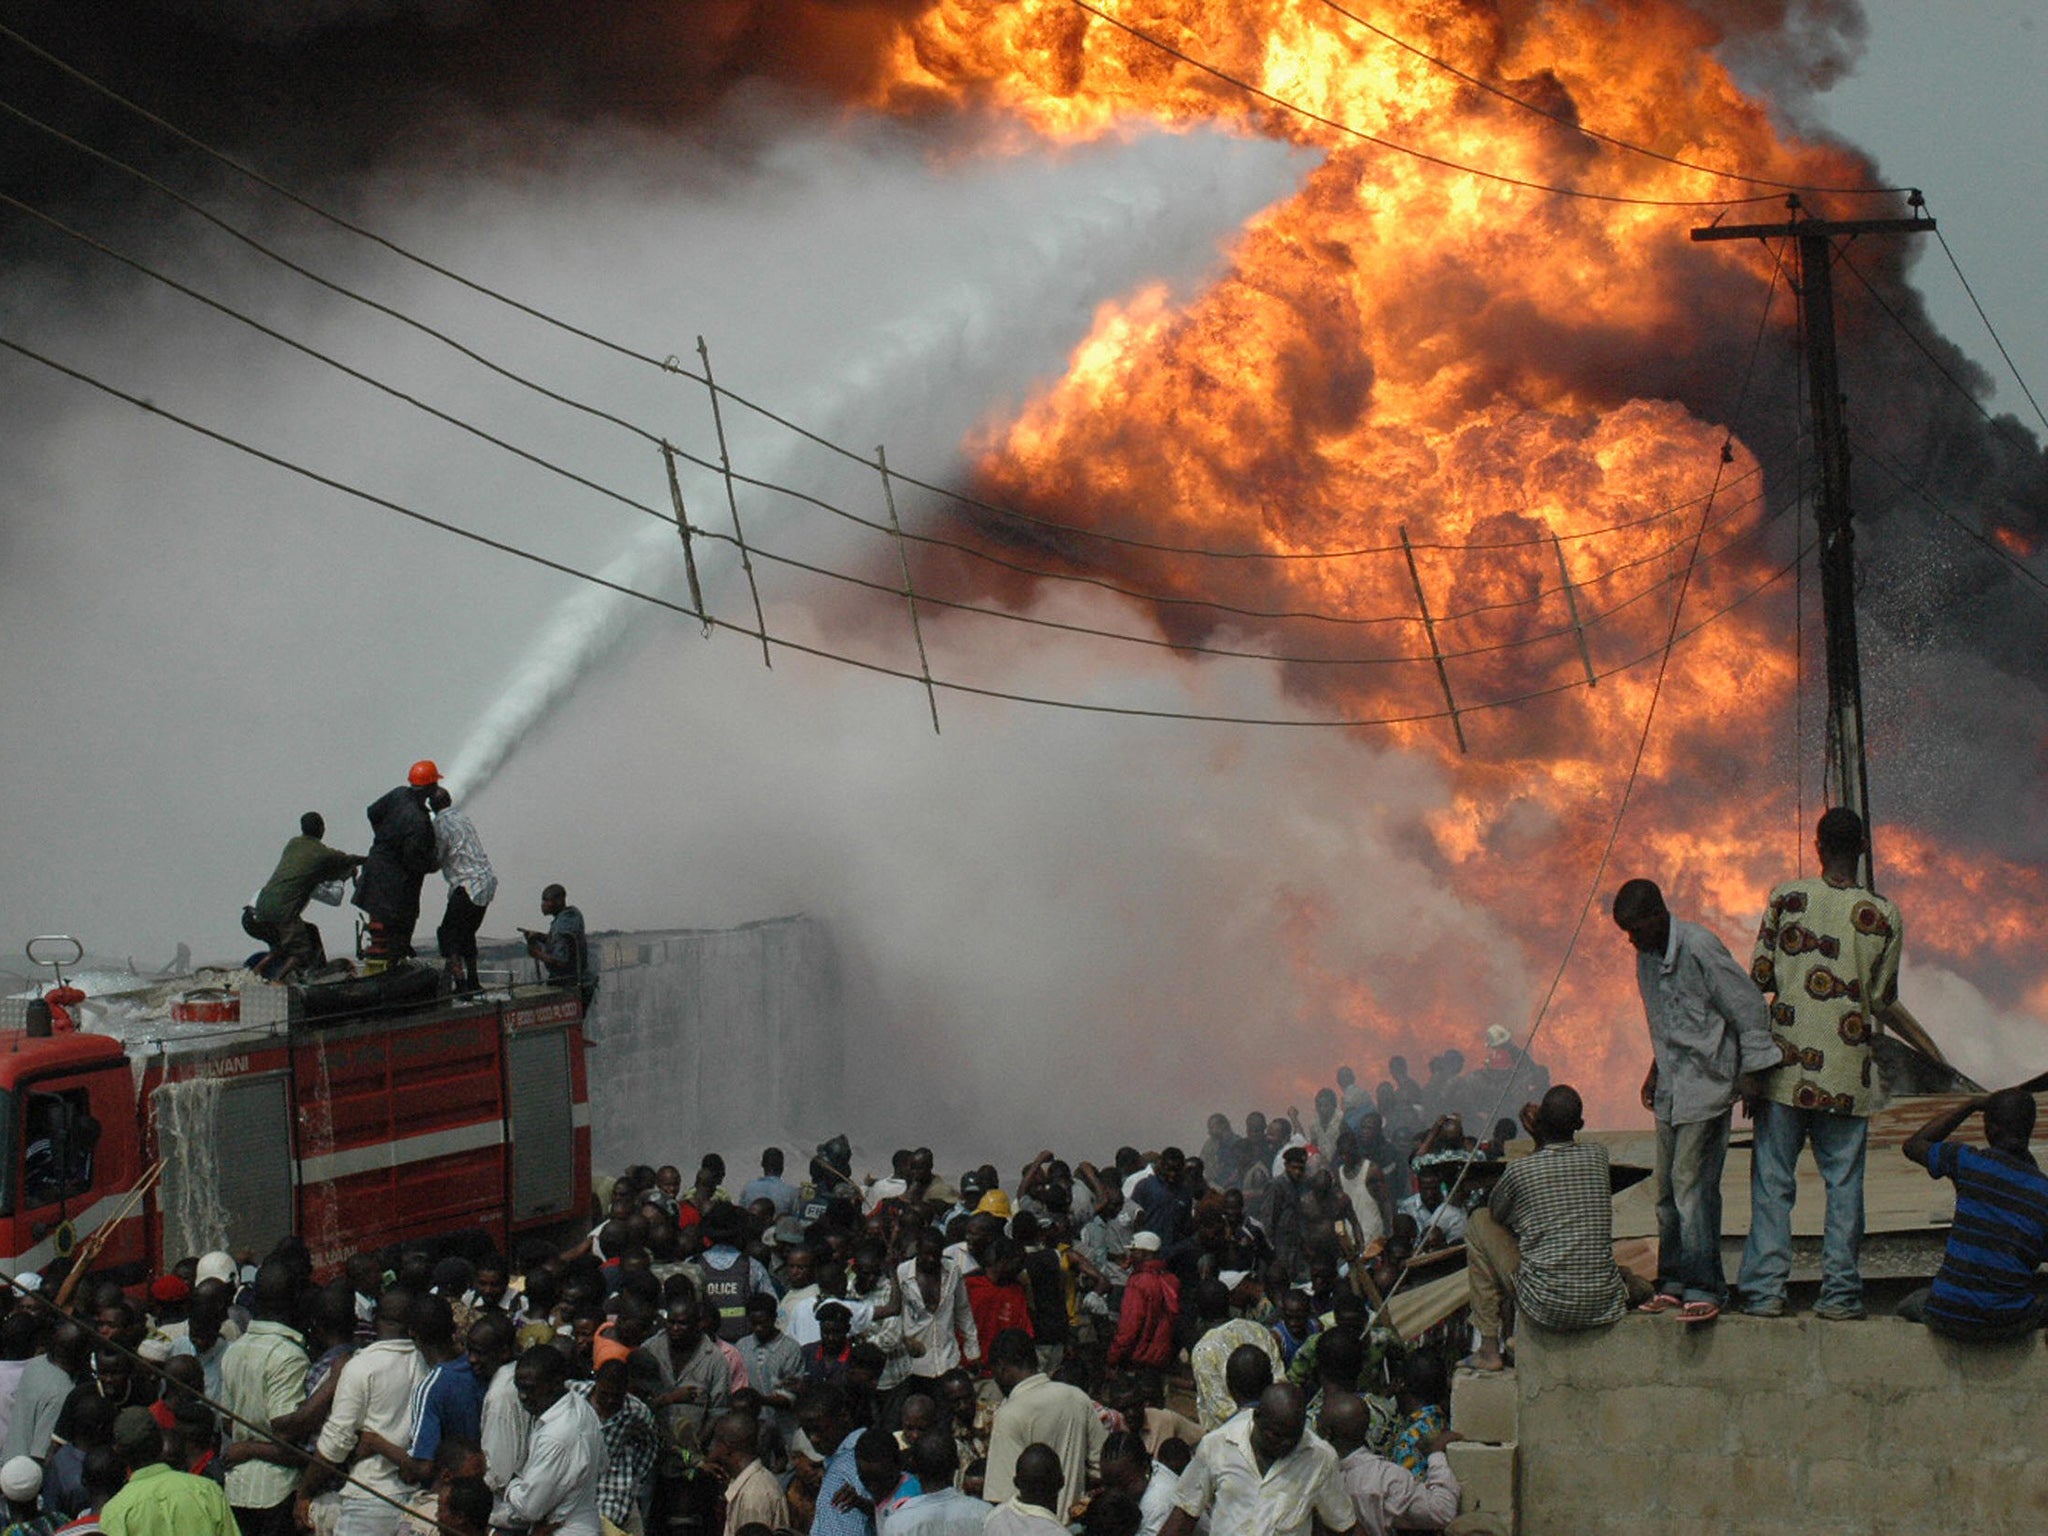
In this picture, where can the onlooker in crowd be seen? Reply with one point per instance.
(772, 1186)
(21, 1487)
(1547, 1234)
(45, 1383)
(263, 1378)
(557, 1485)
(1709, 1036)
(1385, 1494)
(1038, 1410)
(1262, 1472)
(156, 1500)
(1034, 1506)
(1222, 1334)
(630, 1442)
(1439, 1221)
(1988, 1287)
(1150, 1312)
(1827, 952)
(752, 1492)
(939, 1509)
(374, 1394)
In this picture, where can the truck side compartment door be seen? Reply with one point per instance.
(226, 1144)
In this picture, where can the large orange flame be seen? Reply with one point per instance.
(1400, 346)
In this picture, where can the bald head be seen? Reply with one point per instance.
(1039, 1478)
(1278, 1421)
(1343, 1421)
(1247, 1373)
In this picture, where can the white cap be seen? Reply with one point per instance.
(21, 1479)
(1233, 1278)
(217, 1266)
(1146, 1242)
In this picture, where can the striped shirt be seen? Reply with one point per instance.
(1559, 1203)
(1999, 1237)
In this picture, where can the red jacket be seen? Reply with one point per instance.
(1144, 1329)
(995, 1308)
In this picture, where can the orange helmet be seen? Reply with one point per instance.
(423, 773)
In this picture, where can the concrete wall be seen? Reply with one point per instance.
(715, 1039)
(1777, 1426)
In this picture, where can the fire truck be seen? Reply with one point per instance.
(176, 1120)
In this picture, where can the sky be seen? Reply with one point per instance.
(199, 647)
(1949, 98)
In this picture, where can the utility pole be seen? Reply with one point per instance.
(1814, 283)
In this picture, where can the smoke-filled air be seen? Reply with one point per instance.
(1207, 368)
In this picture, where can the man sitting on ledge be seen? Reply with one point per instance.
(1987, 1288)
(1548, 1231)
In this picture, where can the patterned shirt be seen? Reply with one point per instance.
(840, 1472)
(1559, 1203)
(461, 851)
(1829, 956)
(630, 1445)
(1411, 1441)
(1211, 1354)
(2000, 1235)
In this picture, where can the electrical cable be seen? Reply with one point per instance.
(1593, 133)
(929, 539)
(1991, 330)
(1423, 155)
(652, 438)
(798, 647)
(1599, 875)
(1874, 453)
(667, 365)
(1927, 352)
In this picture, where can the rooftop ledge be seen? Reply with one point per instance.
(1779, 1425)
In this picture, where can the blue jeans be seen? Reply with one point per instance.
(1838, 1146)
(1689, 1159)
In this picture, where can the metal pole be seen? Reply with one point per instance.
(675, 492)
(1837, 535)
(1443, 675)
(1571, 598)
(909, 595)
(732, 501)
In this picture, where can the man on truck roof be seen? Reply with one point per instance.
(276, 916)
(402, 855)
(564, 949)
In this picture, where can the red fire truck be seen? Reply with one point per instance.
(380, 1123)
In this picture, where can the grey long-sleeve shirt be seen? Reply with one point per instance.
(1708, 1024)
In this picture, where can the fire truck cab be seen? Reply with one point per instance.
(453, 1119)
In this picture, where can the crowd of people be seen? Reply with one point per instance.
(1156, 1342)
(415, 829)
(1144, 1344)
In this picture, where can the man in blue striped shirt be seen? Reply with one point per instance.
(1988, 1287)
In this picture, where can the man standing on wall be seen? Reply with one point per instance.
(1709, 1035)
(1828, 953)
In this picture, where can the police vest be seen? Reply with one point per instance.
(725, 1289)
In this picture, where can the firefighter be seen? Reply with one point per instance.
(276, 917)
(402, 854)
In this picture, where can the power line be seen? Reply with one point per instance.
(800, 648)
(972, 551)
(1239, 83)
(667, 365)
(1876, 454)
(1593, 133)
(1991, 330)
(1926, 351)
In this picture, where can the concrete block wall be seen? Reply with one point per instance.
(1779, 1426)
